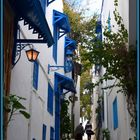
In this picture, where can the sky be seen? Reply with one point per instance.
(94, 6)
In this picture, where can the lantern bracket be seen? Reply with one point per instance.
(20, 47)
(20, 44)
(53, 66)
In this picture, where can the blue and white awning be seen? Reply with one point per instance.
(32, 13)
(64, 82)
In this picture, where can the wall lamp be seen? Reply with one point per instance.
(31, 54)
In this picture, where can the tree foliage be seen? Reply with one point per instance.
(112, 53)
(13, 106)
(79, 30)
(119, 60)
(65, 122)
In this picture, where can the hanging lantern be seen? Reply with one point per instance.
(32, 55)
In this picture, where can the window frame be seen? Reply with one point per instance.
(115, 113)
(51, 133)
(44, 132)
(50, 99)
(35, 75)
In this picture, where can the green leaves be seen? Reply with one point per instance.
(13, 106)
(106, 134)
(17, 105)
(65, 121)
(25, 114)
(111, 53)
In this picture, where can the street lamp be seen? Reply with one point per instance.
(32, 55)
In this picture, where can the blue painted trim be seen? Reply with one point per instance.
(55, 35)
(30, 41)
(61, 33)
(35, 75)
(51, 133)
(98, 27)
(61, 26)
(1, 70)
(137, 69)
(61, 20)
(31, 11)
(50, 99)
(115, 113)
(53, 66)
(70, 46)
(49, 2)
(68, 65)
(65, 83)
(70, 43)
(44, 131)
(57, 112)
(15, 39)
(43, 4)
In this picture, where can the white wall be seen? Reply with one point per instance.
(21, 85)
(123, 132)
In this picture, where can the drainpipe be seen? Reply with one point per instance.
(30, 105)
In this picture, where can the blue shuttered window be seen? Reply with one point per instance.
(50, 99)
(56, 34)
(115, 114)
(35, 75)
(43, 4)
(44, 129)
(61, 26)
(51, 133)
(70, 46)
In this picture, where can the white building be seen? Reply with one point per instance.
(116, 116)
(44, 81)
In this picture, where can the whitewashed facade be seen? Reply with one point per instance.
(37, 99)
(123, 129)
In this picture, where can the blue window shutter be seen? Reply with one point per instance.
(61, 27)
(35, 75)
(44, 129)
(68, 65)
(115, 114)
(55, 33)
(51, 133)
(43, 4)
(50, 99)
